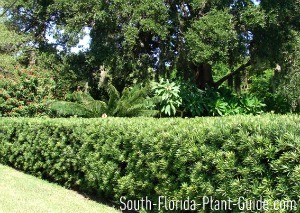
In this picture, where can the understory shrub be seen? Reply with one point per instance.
(168, 95)
(25, 92)
(132, 102)
(220, 105)
(228, 157)
(222, 102)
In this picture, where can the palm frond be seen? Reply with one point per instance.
(114, 97)
(96, 107)
(134, 103)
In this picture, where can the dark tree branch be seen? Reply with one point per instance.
(237, 71)
(8, 8)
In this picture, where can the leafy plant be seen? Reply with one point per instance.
(25, 92)
(169, 96)
(232, 104)
(219, 108)
(279, 93)
(193, 100)
(135, 102)
(251, 105)
(132, 102)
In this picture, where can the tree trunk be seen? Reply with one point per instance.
(204, 76)
(230, 82)
(237, 83)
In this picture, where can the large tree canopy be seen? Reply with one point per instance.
(137, 40)
(13, 46)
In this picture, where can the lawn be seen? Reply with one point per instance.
(24, 193)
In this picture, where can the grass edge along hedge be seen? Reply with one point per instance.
(180, 159)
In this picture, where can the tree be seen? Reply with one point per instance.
(140, 40)
(12, 46)
(287, 76)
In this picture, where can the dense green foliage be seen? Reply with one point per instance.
(25, 92)
(168, 96)
(204, 42)
(10, 44)
(178, 158)
(248, 45)
(196, 102)
(132, 102)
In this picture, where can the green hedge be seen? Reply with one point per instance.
(180, 159)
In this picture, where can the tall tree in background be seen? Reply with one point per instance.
(13, 46)
(137, 40)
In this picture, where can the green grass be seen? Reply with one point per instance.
(24, 193)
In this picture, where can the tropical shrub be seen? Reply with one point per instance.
(279, 93)
(168, 94)
(25, 92)
(130, 103)
(228, 157)
(194, 102)
(234, 104)
(251, 104)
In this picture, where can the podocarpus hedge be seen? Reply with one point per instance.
(220, 158)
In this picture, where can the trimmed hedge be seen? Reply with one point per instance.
(224, 158)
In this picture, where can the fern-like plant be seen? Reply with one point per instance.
(135, 102)
(132, 102)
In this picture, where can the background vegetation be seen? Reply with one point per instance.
(219, 57)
